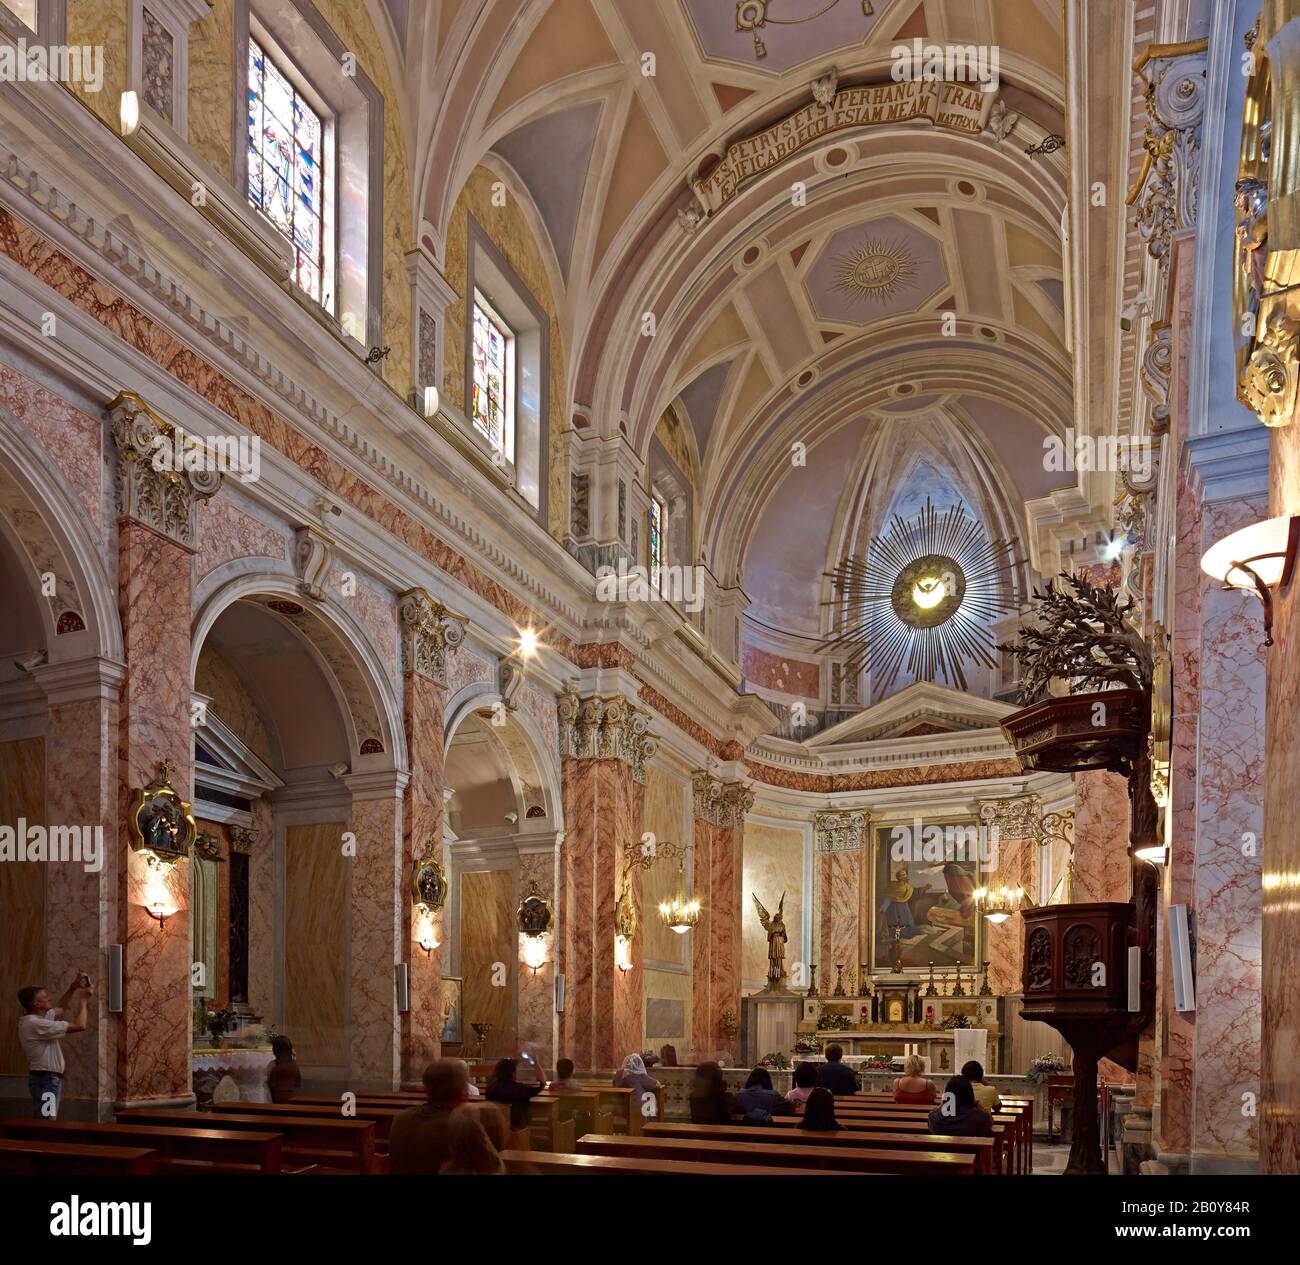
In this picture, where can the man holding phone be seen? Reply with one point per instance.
(41, 1031)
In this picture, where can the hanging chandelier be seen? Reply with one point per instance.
(680, 914)
(997, 904)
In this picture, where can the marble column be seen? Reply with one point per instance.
(378, 908)
(157, 535)
(82, 904)
(604, 744)
(719, 828)
(1012, 831)
(429, 632)
(1211, 1057)
(840, 839)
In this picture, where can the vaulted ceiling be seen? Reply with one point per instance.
(770, 327)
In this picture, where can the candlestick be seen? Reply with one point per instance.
(932, 991)
(812, 980)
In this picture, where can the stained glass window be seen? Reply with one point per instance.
(655, 540)
(491, 375)
(286, 175)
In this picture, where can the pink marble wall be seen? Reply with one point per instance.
(424, 701)
(726, 875)
(261, 913)
(226, 532)
(536, 1003)
(1003, 946)
(73, 441)
(1102, 869)
(375, 609)
(841, 913)
(82, 908)
(377, 924)
(706, 1037)
(154, 605)
(781, 673)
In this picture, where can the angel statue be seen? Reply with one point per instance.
(774, 925)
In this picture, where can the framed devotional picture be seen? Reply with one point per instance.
(923, 898)
(453, 1007)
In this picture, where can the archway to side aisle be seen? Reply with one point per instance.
(296, 887)
(503, 838)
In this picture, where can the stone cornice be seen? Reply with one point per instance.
(1223, 465)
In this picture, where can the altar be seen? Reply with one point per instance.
(246, 1066)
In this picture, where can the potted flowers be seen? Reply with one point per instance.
(218, 1023)
(776, 1060)
(1045, 1066)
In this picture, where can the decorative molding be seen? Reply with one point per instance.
(428, 630)
(165, 501)
(242, 839)
(841, 830)
(1168, 185)
(604, 728)
(1016, 817)
(721, 804)
(313, 555)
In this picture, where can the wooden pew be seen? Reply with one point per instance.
(1016, 1119)
(381, 1117)
(632, 1166)
(785, 1129)
(180, 1151)
(619, 1103)
(1005, 1138)
(586, 1113)
(335, 1144)
(28, 1157)
(782, 1155)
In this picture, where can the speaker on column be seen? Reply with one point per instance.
(115, 978)
(1180, 958)
(403, 987)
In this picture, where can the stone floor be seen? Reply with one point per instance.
(1050, 1158)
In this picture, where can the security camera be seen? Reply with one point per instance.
(30, 662)
(338, 770)
(512, 817)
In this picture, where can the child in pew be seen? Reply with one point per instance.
(283, 1077)
(819, 1114)
(476, 1136)
(805, 1081)
(565, 1082)
(986, 1095)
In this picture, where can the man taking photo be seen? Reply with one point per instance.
(41, 1031)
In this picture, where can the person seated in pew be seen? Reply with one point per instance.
(710, 1101)
(473, 1088)
(759, 1102)
(633, 1075)
(958, 1115)
(986, 1095)
(283, 1077)
(805, 1081)
(565, 1082)
(476, 1136)
(819, 1114)
(504, 1088)
(417, 1142)
(912, 1087)
(835, 1075)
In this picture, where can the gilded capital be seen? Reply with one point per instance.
(429, 631)
(242, 839)
(1014, 817)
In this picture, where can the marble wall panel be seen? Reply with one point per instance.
(227, 532)
(537, 988)
(665, 810)
(1102, 870)
(375, 608)
(773, 863)
(212, 86)
(261, 913)
(315, 944)
(378, 939)
(781, 673)
(488, 937)
(22, 891)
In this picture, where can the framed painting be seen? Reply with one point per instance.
(453, 1009)
(928, 899)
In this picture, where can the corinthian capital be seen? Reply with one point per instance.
(151, 489)
(840, 830)
(597, 727)
(1016, 817)
(429, 631)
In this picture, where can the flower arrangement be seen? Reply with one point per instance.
(834, 1023)
(955, 1021)
(776, 1060)
(807, 1044)
(1046, 1065)
(877, 1063)
(218, 1023)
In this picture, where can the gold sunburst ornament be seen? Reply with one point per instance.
(876, 269)
(925, 598)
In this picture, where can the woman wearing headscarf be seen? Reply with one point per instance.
(632, 1075)
(710, 1101)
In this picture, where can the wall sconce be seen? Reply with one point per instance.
(161, 909)
(1155, 853)
(534, 951)
(426, 936)
(129, 110)
(1258, 558)
(623, 953)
